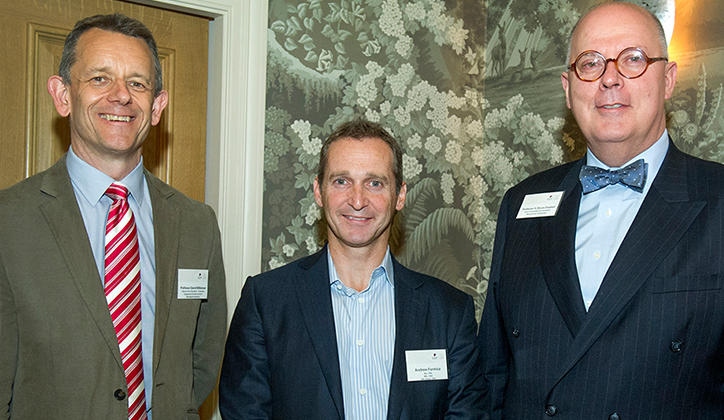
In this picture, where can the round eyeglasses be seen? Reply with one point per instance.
(630, 63)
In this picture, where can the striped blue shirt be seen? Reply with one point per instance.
(364, 323)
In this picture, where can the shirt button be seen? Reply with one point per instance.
(339, 287)
(362, 391)
(596, 255)
(361, 300)
(360, 342)
(609, 213)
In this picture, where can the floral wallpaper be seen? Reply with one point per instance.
(471, 89)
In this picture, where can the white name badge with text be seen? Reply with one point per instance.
(426, 365)
(193, 284)
(540, 205)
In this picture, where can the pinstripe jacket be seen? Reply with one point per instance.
(651, 345)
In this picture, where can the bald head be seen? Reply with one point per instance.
(604, 8)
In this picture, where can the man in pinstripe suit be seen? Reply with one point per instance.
(349, 333)
(605, 299)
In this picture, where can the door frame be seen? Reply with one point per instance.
(235, 128)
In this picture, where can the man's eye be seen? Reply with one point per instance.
(137, 85)
(340, 181)
(98, 79)
(376, 183)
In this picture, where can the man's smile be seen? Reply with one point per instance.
(111, 117)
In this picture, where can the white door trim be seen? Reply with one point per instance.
(235, 133)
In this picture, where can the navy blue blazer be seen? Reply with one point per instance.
(281, 353)
(651, 345)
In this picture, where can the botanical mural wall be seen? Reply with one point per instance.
(471, 89)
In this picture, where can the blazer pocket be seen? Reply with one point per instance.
(673, 284)
(192, 415)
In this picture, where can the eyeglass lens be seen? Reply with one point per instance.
(631, 63)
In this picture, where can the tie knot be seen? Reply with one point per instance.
(117, 191)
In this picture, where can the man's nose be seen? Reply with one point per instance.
(358, 197)
(119, 93)
(611, 76)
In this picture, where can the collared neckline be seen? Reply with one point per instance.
(92, 183)
(653, 156)
(384, 270)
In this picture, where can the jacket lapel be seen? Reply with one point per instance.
(166, 219)
(66, 223)
(557, 242)
(410, 316)
(645, 246)
(315, 303)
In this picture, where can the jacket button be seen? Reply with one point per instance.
(119, 394)
(551, 410)
(676, 346)
(614, 416)
(515, 332)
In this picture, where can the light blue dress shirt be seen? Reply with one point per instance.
(89, 186)
(605, 216)
(364, 323)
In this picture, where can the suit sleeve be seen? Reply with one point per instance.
(245, 390)
(466, 384)
(492, 340)
(208, 344)
(8, 343)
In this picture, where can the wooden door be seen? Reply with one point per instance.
(34, 136)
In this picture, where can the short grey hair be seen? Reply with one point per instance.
(117, 23)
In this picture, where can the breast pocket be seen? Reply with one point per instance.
(680, 284)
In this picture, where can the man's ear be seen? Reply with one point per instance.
(318, 192)
(565, 82)
(60, 94)
(671, 70)
(159, 103)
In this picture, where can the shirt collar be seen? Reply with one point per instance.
(92, 183)
(384, 270)
(653, 156)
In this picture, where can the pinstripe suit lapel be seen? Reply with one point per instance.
(557, 242)
(315, 303)
(66, 223)
(642, 250)
(166, 220)
(410, 314)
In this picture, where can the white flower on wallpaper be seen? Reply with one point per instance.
(403, 64)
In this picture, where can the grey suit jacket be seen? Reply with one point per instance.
(59, 356)
(651, 345)
(281, 358)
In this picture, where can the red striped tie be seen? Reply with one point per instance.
(123, 293)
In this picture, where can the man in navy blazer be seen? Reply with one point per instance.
(611, 307)
(349, 333)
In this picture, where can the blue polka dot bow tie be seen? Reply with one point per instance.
(633, 176)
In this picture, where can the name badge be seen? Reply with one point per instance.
(540, 205)
(193, 284)
(426, 365)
